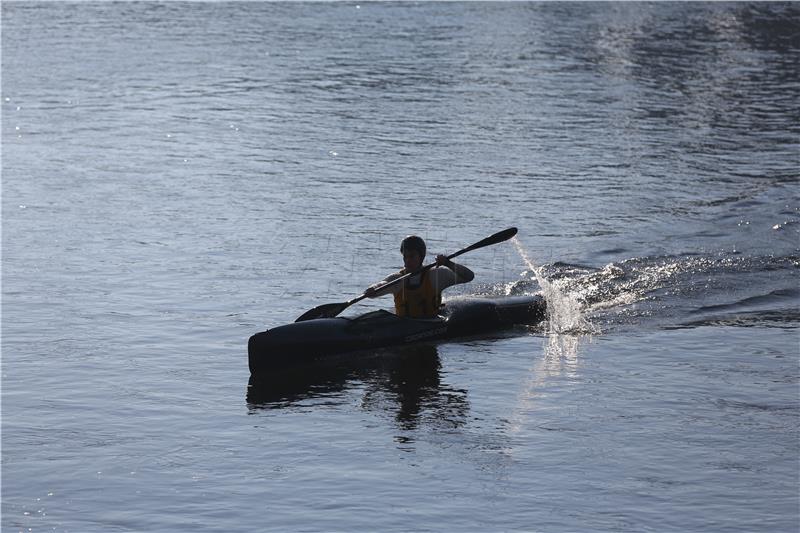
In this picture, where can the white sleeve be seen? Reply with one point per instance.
(389, 290)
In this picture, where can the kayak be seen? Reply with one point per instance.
(313, 341)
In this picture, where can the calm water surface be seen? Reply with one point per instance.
(178, 176)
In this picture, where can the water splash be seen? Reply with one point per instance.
(565, 328)
(564, 310)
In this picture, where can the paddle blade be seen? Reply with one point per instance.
(323, 311)
(498, 237)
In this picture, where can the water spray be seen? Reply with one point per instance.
(564, 311)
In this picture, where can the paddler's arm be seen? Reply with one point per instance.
(373, 291)
(463, 274)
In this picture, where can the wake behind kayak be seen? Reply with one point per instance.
(312, 341)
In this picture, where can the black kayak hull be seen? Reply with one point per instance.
(306, 343)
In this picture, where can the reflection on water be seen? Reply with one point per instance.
(561, 352)
(405, 382)
(559, 357)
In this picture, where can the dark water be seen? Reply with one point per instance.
(177, 176)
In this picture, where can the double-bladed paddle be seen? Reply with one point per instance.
(331, 310)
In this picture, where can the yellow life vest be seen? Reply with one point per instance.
(421, 301)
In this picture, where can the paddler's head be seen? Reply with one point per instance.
(413, 250)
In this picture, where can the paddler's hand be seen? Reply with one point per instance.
(463, 274)
(370, 292)
(441, 260)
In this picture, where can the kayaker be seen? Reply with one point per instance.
(420, 296)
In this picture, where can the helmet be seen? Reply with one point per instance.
(412, 242)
